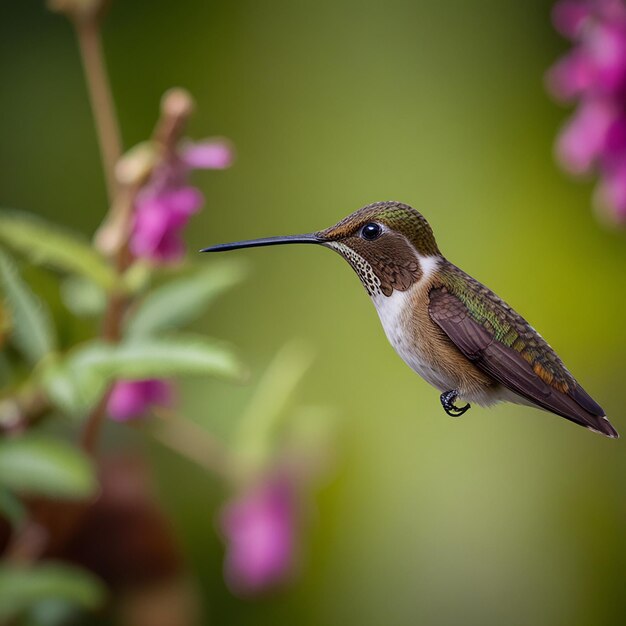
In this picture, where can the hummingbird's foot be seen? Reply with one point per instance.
(447, 402)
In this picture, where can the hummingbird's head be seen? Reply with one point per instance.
(386, 243)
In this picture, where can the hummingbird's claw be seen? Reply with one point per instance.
(447, 402)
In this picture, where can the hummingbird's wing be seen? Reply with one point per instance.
(502, 344)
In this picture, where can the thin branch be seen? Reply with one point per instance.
(27, 544)
(176, 106)
(102, 105)
(193, 442)
(91, 431)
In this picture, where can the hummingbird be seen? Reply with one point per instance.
(449, 328)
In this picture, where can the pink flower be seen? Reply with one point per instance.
(615, 141)
(569, 16)
(159, 219)
(166, 203)
(570, 76)
(583, 139)
(597, 63)
(594, 73)
(212, 154)
(132, 398)
(260, 530)
(604, 44)
(611, 193)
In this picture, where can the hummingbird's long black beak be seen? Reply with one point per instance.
(266, 241)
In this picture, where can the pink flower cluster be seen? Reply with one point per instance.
(166, 203)
(162, 210)
(593, 73)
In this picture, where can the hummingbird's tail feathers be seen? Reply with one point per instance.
(592, 414)
(605, 428)
(564, 405)
(582, 398)
(610, 431)
(578, 407)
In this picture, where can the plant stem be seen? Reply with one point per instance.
(102, 105)
(27, 545)
(176, 107)
(193, 442)
(109, 139)
(91, 431)
(111, 332)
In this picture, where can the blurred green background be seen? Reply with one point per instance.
(506, 516)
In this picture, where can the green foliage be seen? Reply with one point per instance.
(137, 277)
(51, 612)
(11, 508)
(45, 243)
(176, 355)
(259, 424)
(180, 301)
(32, 327)
(71, 389)
(38, 465)
(22, 587)
(82, 296)
(76, 382)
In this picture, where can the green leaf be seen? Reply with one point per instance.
(76, 383)
(37, 465)
(259, 424)
(180, 301)
(23, 587)
(70, 389)
(161, 358)
(32, 330)
(83, 297)
(137, 277)
(45, 243)
(53, 612)
(11, 508)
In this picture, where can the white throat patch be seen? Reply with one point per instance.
(396, 313)
(429, 265)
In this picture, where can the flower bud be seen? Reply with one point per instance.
(177, 102)
(79, 9)
(131, 398)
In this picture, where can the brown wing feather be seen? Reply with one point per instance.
(510, 368)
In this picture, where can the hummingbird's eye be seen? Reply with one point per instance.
(371, 231)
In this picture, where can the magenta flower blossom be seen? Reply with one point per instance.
(583, 140)
(594, 74)
(131, 398)
(260, 528)
(164, 206)
(216, 154)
